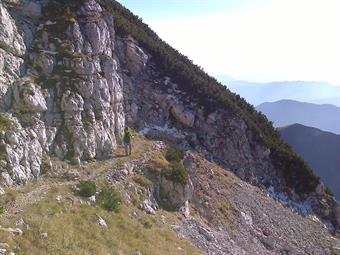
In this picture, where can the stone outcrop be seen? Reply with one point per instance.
(10, 39)
(67, 98)
(173, 195)
(12, 49)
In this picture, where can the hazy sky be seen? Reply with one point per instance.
(255, 40)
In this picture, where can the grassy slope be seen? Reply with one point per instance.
(219, 200)
(72, 224)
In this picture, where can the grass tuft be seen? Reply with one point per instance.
(109, 200)
(176, 173)
(6, 124)
(87, 188)
(142, 181)
(147, 225)
(173, 154)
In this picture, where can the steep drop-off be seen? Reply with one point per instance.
(320, 149)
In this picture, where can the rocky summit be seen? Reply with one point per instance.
(208, 174)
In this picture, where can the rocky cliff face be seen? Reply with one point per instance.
(70, 84)
(64, 92)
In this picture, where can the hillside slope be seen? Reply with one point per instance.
(83, 77)
(286, 112)
(320, 149)
(74, 73)
(225, 215)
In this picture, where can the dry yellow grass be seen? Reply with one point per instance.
(72, 225)
(74, 229)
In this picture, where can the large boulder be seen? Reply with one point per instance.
(10, 38)
(28, 97)
(173, 195)
(21, 153)
(185, 117)
(136, 58)
(12, 48)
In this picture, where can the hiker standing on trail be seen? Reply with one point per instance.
(127, 141)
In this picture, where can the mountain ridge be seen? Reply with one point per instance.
(304, 91)
(319, 148)
(286, 112)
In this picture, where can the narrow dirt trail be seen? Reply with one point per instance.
(32, 193)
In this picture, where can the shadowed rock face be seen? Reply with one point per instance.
(173, 195)
(70, 84)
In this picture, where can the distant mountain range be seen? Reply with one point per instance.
(330, 100)
(320, 149)
(315, 105)
(286, 112)
(304, 91)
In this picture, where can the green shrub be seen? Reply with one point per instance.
(147, 224)
(109, 200)
(176, 173)
(6, 124)
(3, 152)
(297, 173)
(173, 154)
(9, 197)
(329, 192)
(46, 165)
(142, 181)
(87, 188)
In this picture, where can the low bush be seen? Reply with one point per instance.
(329, 192)
(176, 173)
(87, 188)
(3, 152)
(46, 165)
(147, 225)
(6, 124)
(142, 181)
(173, 154)
(109, 200)
(9, 197)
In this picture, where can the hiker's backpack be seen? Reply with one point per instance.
(127, 137)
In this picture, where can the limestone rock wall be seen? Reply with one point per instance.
(59, 85)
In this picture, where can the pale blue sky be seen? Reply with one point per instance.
(256, 40)
(160, 9)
